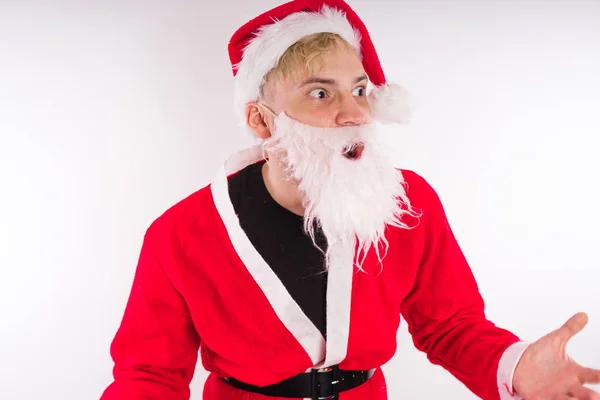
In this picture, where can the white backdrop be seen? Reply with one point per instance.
(111, 111)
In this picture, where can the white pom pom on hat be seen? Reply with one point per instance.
(391, 103)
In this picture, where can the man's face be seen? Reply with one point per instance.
(334, 96)
(325, 142)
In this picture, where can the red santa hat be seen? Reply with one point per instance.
(257, 46)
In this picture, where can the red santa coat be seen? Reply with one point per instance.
(201, 286)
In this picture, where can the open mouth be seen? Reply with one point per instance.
(354, 152)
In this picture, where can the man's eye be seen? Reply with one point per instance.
(318, 94)
(359, 91)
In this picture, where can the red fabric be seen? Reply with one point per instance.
(244, 34)
(191, 291)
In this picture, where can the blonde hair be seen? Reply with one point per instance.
(306, 52)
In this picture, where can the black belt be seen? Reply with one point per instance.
(320, 384)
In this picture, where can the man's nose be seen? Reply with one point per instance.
(350, 112)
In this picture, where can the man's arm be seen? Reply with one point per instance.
(156, 347)
(445, 311)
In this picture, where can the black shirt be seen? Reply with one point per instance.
(278, 236)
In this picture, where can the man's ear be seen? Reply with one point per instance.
(257, 121)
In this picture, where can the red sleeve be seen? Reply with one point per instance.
(156, 347)
(445, 311)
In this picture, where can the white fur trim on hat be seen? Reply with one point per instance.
(271, 41)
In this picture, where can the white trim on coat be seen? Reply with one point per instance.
(323, 353)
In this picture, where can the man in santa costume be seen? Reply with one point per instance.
(290, 272)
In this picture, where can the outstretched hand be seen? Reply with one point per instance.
(546, 372)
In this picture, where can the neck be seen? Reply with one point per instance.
(282, 190)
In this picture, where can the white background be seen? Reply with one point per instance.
(111, 111)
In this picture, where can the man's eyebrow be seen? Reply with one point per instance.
(361, 78)
(328, 81)
(315, 79)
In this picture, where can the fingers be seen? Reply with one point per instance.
(583, 393)
(573, 326)
(589, 375)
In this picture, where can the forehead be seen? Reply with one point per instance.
(341, 59)
(340, 62)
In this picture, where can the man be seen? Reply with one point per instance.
(290, 271)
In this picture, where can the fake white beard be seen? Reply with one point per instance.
(351, 200)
